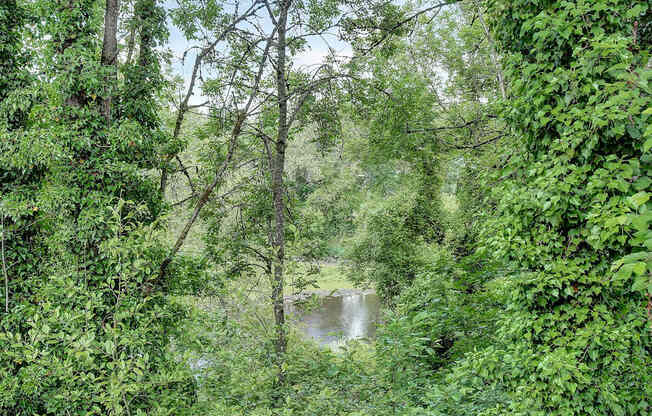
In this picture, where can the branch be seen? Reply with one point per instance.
(257, 252)
(185, 172)
(183, 201)
(407, 20)
(183, 108)
(189, 107)
(475, 146)
(235, 134)
(271, 14)
(459, 126)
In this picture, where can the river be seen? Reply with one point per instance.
(348, 314)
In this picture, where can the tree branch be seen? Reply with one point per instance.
(237, 129)
(183, 107)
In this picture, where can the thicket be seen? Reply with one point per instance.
(86, 326)
(571, 220)
(484, 165)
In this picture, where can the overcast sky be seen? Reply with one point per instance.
(314, 55)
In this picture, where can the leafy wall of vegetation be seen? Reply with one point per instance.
(572, 219)
(527, 293)
(85, 326)
(579, 339)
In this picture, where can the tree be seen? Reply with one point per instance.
(88, 323)
(430, 103)
(572, 213)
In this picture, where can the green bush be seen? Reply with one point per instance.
(575, 339)
(389, 250)
(86, 325)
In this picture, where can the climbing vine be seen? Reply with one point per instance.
(574, 212)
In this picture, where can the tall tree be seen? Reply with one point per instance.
(89, 324)
(110, 51)
(278, 170)
(573, 213)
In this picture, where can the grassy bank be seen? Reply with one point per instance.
(324, 276)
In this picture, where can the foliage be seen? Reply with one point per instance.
(527, 292)
(237, 371)
(388, 250)
(89, 325)
(576, 339)
(446, 313)
(14, 76)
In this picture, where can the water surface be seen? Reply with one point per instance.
(350, 315)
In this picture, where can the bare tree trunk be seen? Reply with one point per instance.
(110, 52)
(278, 243)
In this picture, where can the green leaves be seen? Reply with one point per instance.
(639, 199)
(574, 214)
(88, 328)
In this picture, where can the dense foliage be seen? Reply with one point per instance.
(483, 165)
(87, 327)
(576, 335)
(579, 337)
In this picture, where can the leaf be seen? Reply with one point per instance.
(642, 183)
(639, 268)
(625, 272)
(639, 199)
(648, 144)
(641, 283)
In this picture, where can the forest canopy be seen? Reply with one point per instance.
(178, 178)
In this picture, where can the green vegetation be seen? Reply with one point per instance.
(483, 165)
(327, 276)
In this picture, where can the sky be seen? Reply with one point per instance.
(314, 55)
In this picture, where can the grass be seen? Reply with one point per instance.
(329, 277)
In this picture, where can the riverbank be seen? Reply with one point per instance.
(328, 293)
(331, 276)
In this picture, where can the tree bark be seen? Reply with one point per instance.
(131, 45)
(278, 243)
(110, 53)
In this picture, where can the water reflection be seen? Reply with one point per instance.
(349, 316)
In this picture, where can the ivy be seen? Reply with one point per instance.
(87, 325)
(574, 209)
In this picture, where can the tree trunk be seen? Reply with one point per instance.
(110, 52)
(144, 12)
(77, 99)
(278, 243)
(131, 44)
